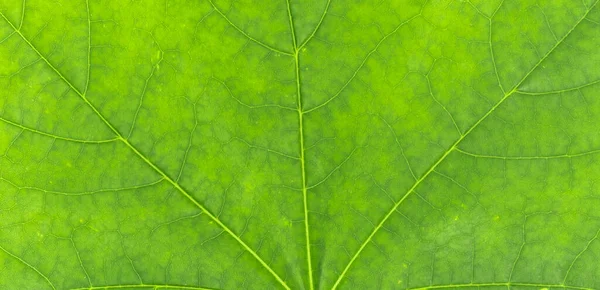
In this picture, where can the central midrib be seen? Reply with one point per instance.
(301, 138)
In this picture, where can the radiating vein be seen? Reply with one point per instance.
(454, 146)
(302, 147)
(147, 161)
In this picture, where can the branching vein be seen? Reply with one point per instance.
(364, 61)
(56, 136)
(528, 157)
(316, 27)
(559, 91)
(246, 34)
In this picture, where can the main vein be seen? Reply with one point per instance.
(454, 146)
(120, 137)
(301, 133)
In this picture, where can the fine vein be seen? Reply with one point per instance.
(499, 284)
(29, 266)
(246, 34)
(89, 47)
(32, 130)
(587, 246)
(316, 27)
(364, 61)
(133, 187)
(528, 157)
(150, 286)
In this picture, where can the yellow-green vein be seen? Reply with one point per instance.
(301, 136)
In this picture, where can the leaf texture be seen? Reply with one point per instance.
(285, 144)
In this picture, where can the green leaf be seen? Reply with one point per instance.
(316, 144)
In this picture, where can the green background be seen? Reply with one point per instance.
(314, 144)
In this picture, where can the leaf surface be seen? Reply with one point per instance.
(317, 144)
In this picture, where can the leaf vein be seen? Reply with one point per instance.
(246, 34)
(29, 266)
(32, 130)
(362, 64)
(302, 147)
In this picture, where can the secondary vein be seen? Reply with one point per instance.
(498, 284)
(29, 266)
(246, 34)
